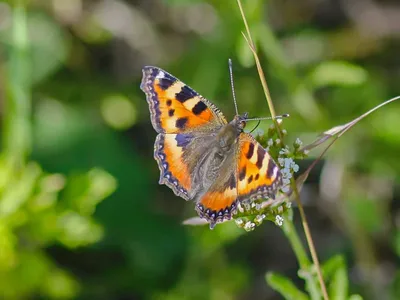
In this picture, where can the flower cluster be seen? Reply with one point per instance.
(252, 214)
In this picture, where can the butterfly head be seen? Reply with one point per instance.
(240, 121)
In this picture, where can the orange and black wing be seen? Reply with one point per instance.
(175, 107)
(219, 202)
(258, 174)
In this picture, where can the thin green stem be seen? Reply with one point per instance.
(310, 241)
(293, 183)
(264, 84)
(291, 233)
(17, 134)
(301, 255)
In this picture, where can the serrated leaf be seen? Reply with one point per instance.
(285, 287)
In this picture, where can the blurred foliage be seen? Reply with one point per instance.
(75, 125)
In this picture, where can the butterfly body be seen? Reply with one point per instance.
(201, 156)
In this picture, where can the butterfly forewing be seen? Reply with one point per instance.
(175, 107)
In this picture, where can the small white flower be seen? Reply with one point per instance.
(239, 222)
(249, 226)
(270, 142)
(283, 151)
(259, 219)
(288, 162)
(285, 188)
(295, 168)
(298, 142)
(281, 161)
(278, 220)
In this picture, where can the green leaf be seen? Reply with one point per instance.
(77, 230)
(355, 297)
(338, 73)
(284, 286)
(339, 285)
(332, 265)
(20, 191)
(334, 270)
(84, 191)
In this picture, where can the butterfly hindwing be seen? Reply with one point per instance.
(168, 153)
(180, 157)
(258, 174)
(175, 107)
(219, 201)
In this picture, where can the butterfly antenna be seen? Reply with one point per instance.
(259, 121)
(269, 118)
(233, 89)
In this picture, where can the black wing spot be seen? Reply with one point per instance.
(260, 156)
(165, 83)
(199, 108)
(181, 122)
(257, 176)
(250, 179)
(186, 93)
(232, 182)
(250, 153)
(242, 173)
(171, 112)
(169, 102)
(270, 169)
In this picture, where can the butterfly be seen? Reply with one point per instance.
(200, 155)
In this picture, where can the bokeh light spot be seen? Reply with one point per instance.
(118, 112)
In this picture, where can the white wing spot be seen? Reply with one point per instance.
(160, 75)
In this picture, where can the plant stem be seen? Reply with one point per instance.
(310, 242)
(17, 133)
(293, 183)
(301, 255)
(260, 71)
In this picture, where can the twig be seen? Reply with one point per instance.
(293, 183)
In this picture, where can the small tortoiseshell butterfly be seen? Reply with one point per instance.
(201, 156)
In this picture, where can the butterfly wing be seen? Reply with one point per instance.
(248, 173)
(258, 174)
(219, 202)
(175, 107)
(184, 121)
(178, 157)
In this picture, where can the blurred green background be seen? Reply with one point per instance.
(81, 213)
